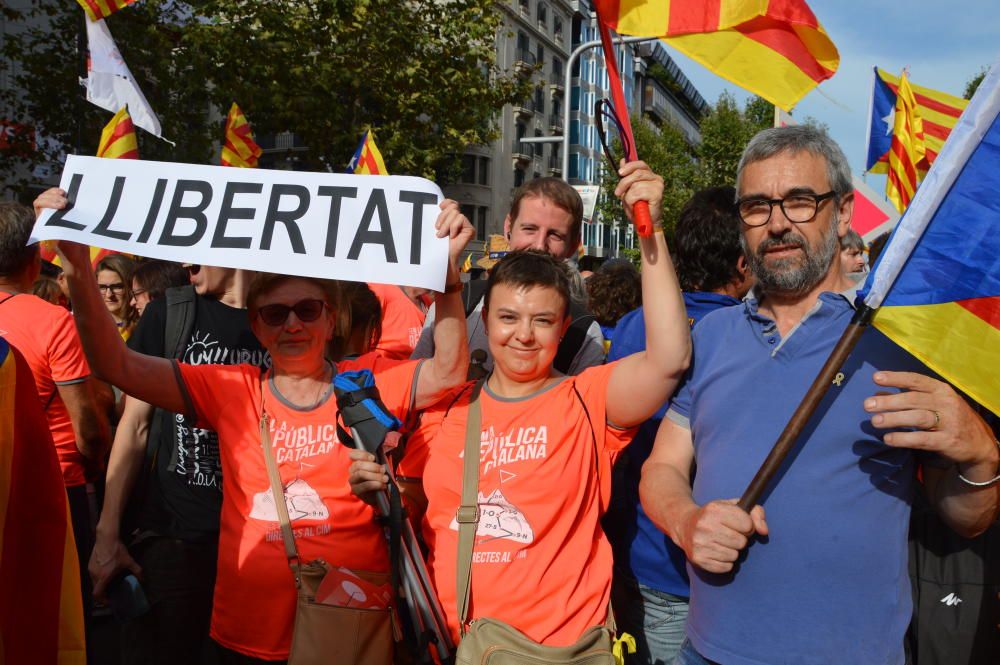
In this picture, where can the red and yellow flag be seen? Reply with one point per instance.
(118, 138)
(41, 610)
(367, 159)
(97, 9)
(239, 149)
(908, 150)
(774, 48)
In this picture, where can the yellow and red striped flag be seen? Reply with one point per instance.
(907, 151)
(98, 9)
(774, 48)
(240, 148)
(118, 138)
(938, 110)
(367, 159)
(41, 610)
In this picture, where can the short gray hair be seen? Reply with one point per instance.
(16, 222)
(852, 240)
(794, 139)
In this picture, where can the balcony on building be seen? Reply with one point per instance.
(521, 152)
(524, 60)
(556, 122)
(555, 165)
(524, 108)
(557, 82)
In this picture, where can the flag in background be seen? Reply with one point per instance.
(939, 111)
(110, 84)
(48, 253)
(467, 265)
(907, 151)
(98, 9)
(776, 49)
(937, 282)
(41, 611)
(239, 148)
(118, 138)
(367, 159)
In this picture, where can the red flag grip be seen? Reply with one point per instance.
(640, 217)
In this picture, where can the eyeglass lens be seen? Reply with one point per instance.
(798, 209)
(305, 310)
(115, 288)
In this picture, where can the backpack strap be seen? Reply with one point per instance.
(467, 515)
(574, 338)
(180, 320)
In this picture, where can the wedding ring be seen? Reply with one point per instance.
(937, 421)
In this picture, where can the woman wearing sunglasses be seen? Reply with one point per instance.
(294, 318)
(540, 561)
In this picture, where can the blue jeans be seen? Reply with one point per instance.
(654, 618)
(688, 656)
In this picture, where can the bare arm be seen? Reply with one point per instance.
(110, 555)
(642, 382)
(90, 423)
(448, 366)
(711, 535)
(944, 424)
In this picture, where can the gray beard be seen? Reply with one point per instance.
(793, 275)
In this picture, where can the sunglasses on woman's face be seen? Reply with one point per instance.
(306, 311)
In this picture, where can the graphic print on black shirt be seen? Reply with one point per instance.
(186, 495)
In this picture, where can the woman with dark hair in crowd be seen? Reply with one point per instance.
(114, 279)
(151, 280)
(366, 319)
(294, 318)
(613, 291)
(538, 557)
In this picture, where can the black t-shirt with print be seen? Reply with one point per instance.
(183, 494)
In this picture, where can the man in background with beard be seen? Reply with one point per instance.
(824, 578)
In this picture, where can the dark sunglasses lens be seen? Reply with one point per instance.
(274, 315)
(194, 269)
(308, 310)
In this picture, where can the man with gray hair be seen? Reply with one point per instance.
(823, 579)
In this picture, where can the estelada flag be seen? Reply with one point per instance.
(98, 9)
(41, 610)
(938, 110)
(908, 150)
(118, 138)
(774, 48)
(49, 254)
(937, 282)
(239, 148)
(367, 159)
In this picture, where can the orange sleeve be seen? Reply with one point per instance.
(592, 384)
(66, 357)
(212, 389)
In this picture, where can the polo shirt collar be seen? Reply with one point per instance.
(828, 307)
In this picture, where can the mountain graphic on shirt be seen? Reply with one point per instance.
(302, 501)
(499, 518)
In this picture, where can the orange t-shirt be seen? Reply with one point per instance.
(402, 322)
(45, 335)
(254, 603)
(541, 561)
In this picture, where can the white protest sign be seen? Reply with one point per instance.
(589, 195)
(335, 226)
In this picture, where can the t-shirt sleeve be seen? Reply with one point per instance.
(593, 387)
(66, 359)
(212, 389)
(396, 380)
(149, 334)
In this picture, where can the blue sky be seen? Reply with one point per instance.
(943, 43)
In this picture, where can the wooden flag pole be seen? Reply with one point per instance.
(806, 408)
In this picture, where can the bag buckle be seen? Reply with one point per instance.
(467, 514)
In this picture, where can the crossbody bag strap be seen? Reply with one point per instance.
(277, 491)
(468, 512)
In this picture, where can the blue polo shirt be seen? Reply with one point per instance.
(640, 548)
(830, 583)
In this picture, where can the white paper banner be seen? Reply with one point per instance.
(337, 226)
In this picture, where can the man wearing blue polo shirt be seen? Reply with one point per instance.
(824, 578)
(650, 590)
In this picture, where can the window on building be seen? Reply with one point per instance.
(523, 45)
(574, 132)
(557, 27)
(484, 171)
(539, 100)
(537, 148)
(574, 99)
(468, 169)
(557, 69)
(542, 12)
(468, 210)
(482, 215)
(574, 166)
(525, 8)
(518, 177)
(540, 53)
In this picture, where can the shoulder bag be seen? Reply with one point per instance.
(488, 641)
(326, 634)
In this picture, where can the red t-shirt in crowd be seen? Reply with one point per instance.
(255, 594)
(45, 335)
(402, 321)
(541, 561)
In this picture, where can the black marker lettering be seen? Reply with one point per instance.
(154, 210)
(103, 227)
(419, 200)
(336, 194)
(178, 211)
(228, 212)
(58, 218)
(365, 236)
(286, 217)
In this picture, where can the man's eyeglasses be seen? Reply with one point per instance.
(797, 208)
(305, 310)
(117, 287)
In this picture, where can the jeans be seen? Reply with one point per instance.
(654, 618)
(178, 578)
(688, 656)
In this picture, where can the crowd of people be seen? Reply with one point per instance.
(609, 423)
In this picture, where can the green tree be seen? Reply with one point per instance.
(725, 131)
(973, 84)
(422, 73)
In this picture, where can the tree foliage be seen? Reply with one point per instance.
(422, 73)
(973, 84)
